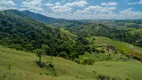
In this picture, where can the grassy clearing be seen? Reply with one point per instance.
(126, 47)
(18, 65)
(67, 34)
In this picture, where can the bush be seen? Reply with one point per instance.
(102, 51)
(137, 58)
(103, 77)
(63, 54)
(127, 79)
(52, 70)
(86, 61)
(9, 67)
(77, 60)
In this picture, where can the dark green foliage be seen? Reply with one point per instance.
(137, 58)
(19, 31)
(9, 67)
(127, 79)
(87, 61)
(103, 77)
(52, 70)
(23, 33)
(108, 28)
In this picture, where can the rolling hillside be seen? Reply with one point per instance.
(83, 56)
(122, 46)
(18, 65)
(21, 32)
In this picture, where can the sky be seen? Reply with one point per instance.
(79, 9)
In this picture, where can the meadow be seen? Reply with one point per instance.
(19, 65)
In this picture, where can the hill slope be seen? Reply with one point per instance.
(21, 32)
(121, 46)
(42, 18)
(17, 65)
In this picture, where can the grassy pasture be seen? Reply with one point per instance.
(123, 46)
(18, 65)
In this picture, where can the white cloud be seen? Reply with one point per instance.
(96, 12)
(140, 2)
(97, 9)
(33, 5)
(77, 3)
(130, 14)
(7, 4)
(102, 11)
(49, 4)
(109, 4)
(61, 9)
(67, 7)
(90, 12)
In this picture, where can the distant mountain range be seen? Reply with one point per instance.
(38, 17)
(42, 18)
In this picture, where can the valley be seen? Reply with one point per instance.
(37, 47)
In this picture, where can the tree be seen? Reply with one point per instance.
(47, 50)
(39, 53)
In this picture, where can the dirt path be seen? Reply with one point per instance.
(131, 53)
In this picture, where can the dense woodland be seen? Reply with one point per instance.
(66, 39)
(23, 33)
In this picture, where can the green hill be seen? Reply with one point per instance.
(21, 32)
(44, 19)
(121, 46)
(18, 65)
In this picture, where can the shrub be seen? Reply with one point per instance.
(63, 54)
(52, 70)
(127, 79)
(77, 60)
(103, 77)
(86, 61)
(102, 51)
(9, 67)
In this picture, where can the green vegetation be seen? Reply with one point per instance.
(39, 53)
(20, 32)
(121, 46)
(17, 65)
(91, 50)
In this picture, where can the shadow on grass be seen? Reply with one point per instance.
(49, 67)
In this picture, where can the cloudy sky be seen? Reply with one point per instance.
(79, 9)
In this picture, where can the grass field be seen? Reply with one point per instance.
(126, 47)
(18, 65)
